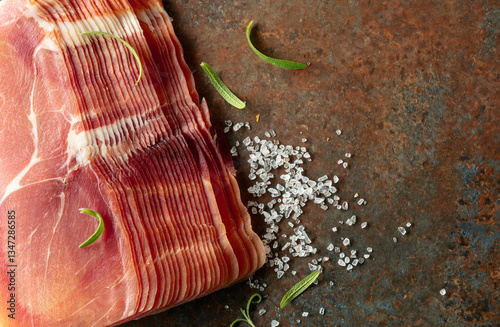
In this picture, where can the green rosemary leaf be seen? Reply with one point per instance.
(277, 62)
(126, 44)
(246, 313)
(299, 288)
(99, 230)
(221, 87)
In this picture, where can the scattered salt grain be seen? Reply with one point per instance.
(330, 247)
(338, 132)
(345, 164)
(228, 123)
(347, 155)
(364, 224)
(408, 224)
(394, 239)
(227, 129)
(369, 249)
(442, 292)
(346, 242)
(340, 161)
(335, 179)
(402, 230)
(334, 229)
(321, 311)
(351, 221)
(341, 263)
(226, 306)
(247, 126)
(345, 205)
(305, 314)
(304, 140)
(274, 323)
(349, 267)
(360, 201)
(262, 311)
(237, 127)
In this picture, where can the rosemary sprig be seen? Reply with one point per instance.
(98, 231)
(223, 90)
(277, 62)
(299, 288)
(246, 313)
(126, 44)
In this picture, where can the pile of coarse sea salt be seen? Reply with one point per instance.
(276, 171)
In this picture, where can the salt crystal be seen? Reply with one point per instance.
(305, 314)
(347, 260)
(262, 311)
(366, 256)
(335, 179)
(334, 229)
(280, 274)
(294, 272)
(247, 125)
(226, 306)
(345, 164)
(312, 267)
(341, 263)
(237, 127)
(228, 123)
(364, 224)
(304, 140)
(330, 247)
(360, 201)
(273, 133)
(361, 261)
(349, 267)
(322, 178)
(351, 221)
(267, 134)
(347, 155)
(340, 161)
(321, 311)
(342, 255)
(442, 292)
(355, 262)
(408, 224)
(274, 323)
(345, 205)
(338, 132)
(337, 249)
(369, 249)
(227, 129)
(402, 230)
(394, 239)
(356, 195)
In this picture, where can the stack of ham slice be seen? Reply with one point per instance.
(76, 132)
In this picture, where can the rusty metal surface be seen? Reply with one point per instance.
(414, 87)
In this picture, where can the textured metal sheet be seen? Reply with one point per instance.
(414, 86)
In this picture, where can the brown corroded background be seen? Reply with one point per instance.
(414, 86)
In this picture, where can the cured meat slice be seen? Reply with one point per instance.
(76, 131)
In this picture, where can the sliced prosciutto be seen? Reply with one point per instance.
(77, 132)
